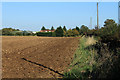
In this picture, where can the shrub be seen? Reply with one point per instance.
(59, 32)
(48, 34)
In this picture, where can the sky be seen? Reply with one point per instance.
(33, 15)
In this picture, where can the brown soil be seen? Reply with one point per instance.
(54, 53)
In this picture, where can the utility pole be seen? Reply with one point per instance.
(97, 17)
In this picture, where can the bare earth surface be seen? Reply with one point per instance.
(54, 53)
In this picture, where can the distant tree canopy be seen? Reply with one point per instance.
(64, 33)
(109, 22)
(77, 28)
(52, 28)
(84, 29)
(110, 31)
(15, 32)
(47, 34)
(10, 29)
(69, 33)
(64, 28)
(6, 32)
(72, 32)
(43, 28)
(75, 32)
(59, 32)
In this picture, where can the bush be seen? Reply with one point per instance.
(48, 34)
(53, 34)
(69, 33)
(75, 32)
(19, 34)
(59, 32)
(108, 33)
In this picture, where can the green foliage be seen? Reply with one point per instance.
(77, 28)
(109, 22)
(75, 32)
(69, 33)
(108, 32)
(65, 33)
(59, 32)
(0, 32)
(47, 34)
(15, 32)
(27, 33)
(82, 63)
(43, 28)
(108, 61)
(52, 28)
(108, 50)
(7, 32)
(64, 28)
(19, 34)
(53, 34)
(84, 29)
(10, 29)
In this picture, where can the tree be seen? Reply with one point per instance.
(75, 32)
(43, 28)
(77, 28)
(109, 22)
(59, 32)
(65, 33)
(19, 34)
(8, 31)
(52, 28)
(84, 29)
(69, 32)
(110, 31)
(64, 28)
(53, 34)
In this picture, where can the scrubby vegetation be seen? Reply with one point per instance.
(83, 61)
(48, 34)
(100, 60)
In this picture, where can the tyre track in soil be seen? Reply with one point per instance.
(55, 53)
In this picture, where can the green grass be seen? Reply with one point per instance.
(82, 63)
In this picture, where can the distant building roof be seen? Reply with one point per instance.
(47, 30)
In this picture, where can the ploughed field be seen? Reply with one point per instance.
(47, 56)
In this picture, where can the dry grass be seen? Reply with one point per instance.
(90, 41)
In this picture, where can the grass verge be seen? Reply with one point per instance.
(83, 60)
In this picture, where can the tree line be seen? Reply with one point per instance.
(15, 32)
(109, 32)
(63, 32)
